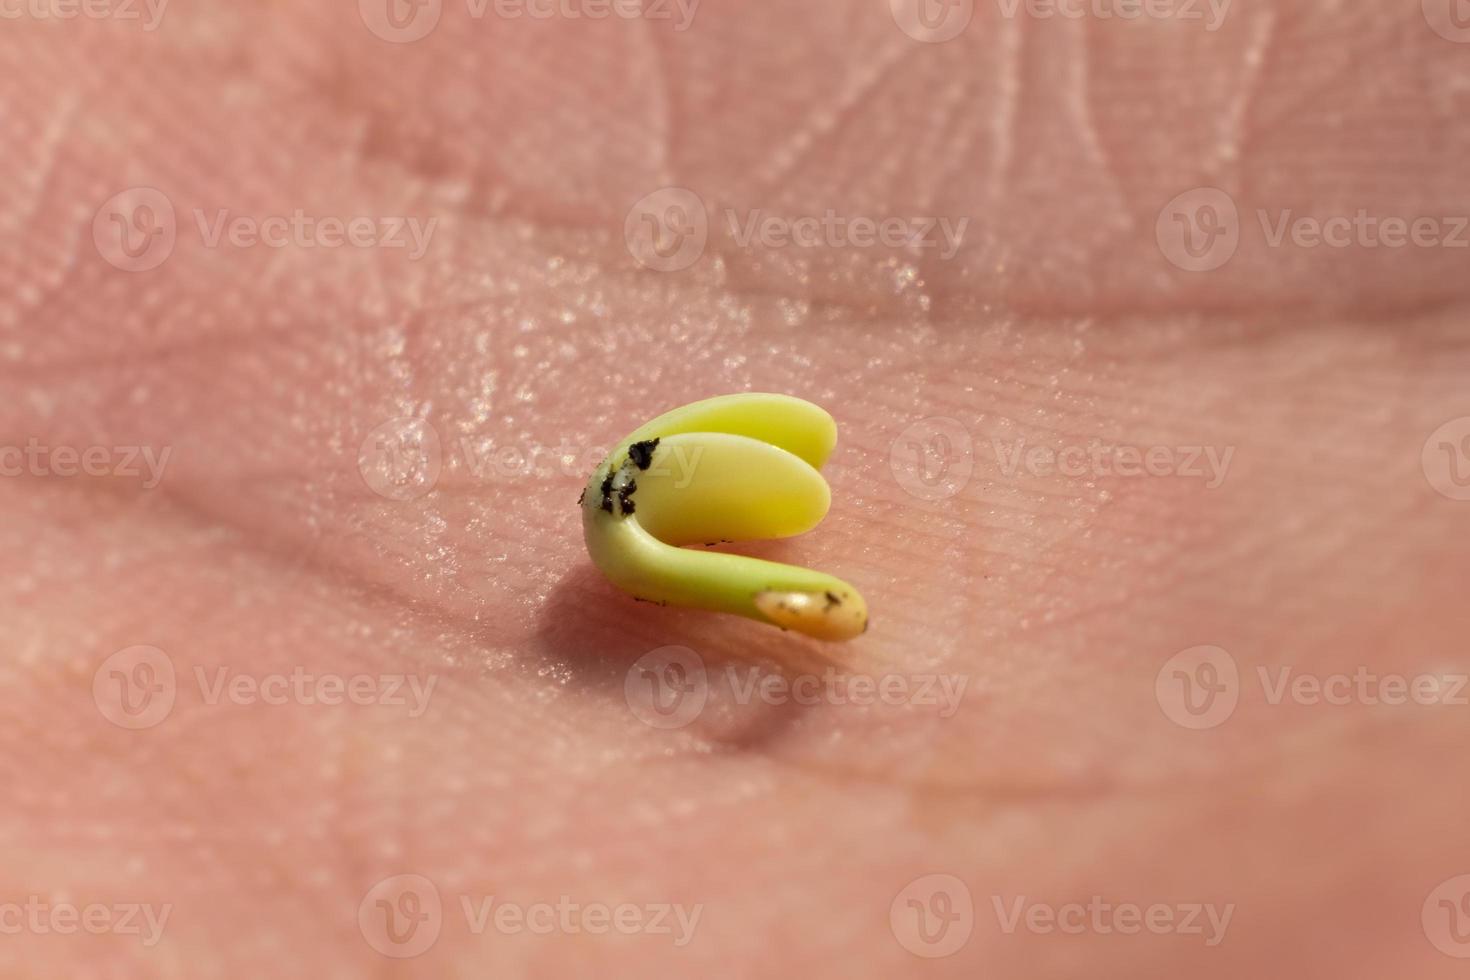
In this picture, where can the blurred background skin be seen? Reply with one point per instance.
(209, 260)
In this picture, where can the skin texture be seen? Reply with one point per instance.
(526, 323)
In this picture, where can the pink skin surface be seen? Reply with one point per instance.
(530, 339)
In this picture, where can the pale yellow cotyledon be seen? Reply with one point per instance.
(733, 468)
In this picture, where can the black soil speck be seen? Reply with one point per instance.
(832, 600)
(625, 495)
(607, 491)
(641, 453)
